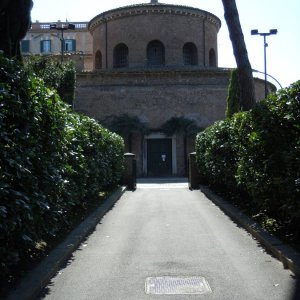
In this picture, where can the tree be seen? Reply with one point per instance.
(126, 125)
(233, 99)
(15, 20)
(246, 83)
(60, 76)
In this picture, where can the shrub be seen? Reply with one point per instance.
(50, 160)
(270, 163)
(56, 75)
(257, 154)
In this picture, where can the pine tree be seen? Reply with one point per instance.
(15, 20)
(246, 83)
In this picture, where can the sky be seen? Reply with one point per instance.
(283, 51)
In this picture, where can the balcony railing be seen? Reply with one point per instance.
(46, 26)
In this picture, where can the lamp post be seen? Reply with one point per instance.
(264, 34)
(62, 28)
(256, 71)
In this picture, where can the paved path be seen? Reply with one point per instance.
(163, 229)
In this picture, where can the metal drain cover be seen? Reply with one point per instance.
(175, 285)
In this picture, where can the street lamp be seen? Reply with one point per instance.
(62, 28)
(264, 34)
(256, 71)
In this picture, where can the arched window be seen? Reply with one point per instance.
(98, 60)
(155, 54)
(212, 58)
(121, 56)
(189, 52)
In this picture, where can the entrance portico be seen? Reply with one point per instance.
(159, 157)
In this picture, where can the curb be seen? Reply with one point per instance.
(31, 286)
(289, 257)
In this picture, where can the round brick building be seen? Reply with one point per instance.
(156, 64)
(154, 35)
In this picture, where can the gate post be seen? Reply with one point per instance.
(194, 176)
(129, 176)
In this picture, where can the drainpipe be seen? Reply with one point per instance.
(204, 41)
(106, 47)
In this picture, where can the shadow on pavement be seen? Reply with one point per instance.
(296, 295)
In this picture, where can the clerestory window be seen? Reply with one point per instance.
(190, 56)
(98, 60)
(121, 56)
(212, 58)
(156, 54)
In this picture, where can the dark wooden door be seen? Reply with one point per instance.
(159, 157)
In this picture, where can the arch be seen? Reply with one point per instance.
(98, 60)
(190, 54)
(156, 53)
(121, 56)
(212, 58)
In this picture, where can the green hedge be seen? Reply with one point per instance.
(57, 75)
(50, 160)
(255, 155)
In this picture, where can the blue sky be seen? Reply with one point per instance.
(283, 52)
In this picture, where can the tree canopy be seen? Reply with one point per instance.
(15, 20)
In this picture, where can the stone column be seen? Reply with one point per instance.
(194, 176)
(129, 176)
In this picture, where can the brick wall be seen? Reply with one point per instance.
(156, 95)
(137, 25)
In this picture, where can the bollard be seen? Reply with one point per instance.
(194, 176)
(129, 176)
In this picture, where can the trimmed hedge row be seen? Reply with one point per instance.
(50, 160)
(255, 156)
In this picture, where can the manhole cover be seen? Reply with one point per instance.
(174, 285)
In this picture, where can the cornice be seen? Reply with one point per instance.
(160, 71)
(148, 9)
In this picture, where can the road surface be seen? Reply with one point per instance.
(167, 232)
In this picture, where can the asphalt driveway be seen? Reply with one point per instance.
(164, 231)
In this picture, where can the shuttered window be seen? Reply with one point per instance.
(70, 45)
(45, 46)
(25, 46)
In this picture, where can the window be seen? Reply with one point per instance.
(45, 46)
(156, 54)
(189, 52)
(98, 60)
(121, 56)
(25, 46)
(70, 45)
(212, 58)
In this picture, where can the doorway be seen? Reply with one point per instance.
(159, 157)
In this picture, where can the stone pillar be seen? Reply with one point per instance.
(129, 176)
(194, 176)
